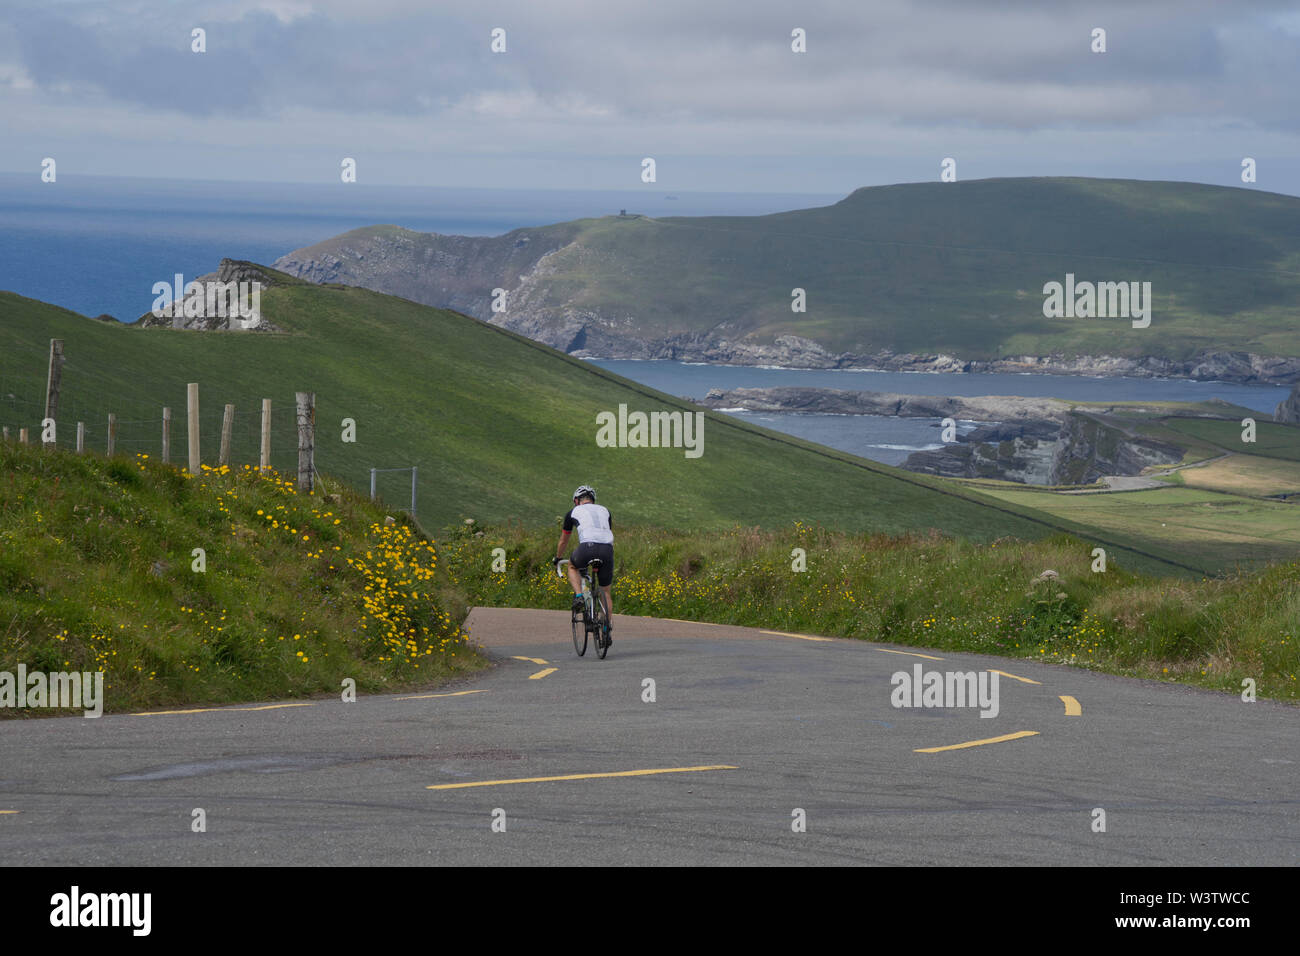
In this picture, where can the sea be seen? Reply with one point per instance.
(97, 245)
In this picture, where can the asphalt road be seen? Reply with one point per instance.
(1184, 776)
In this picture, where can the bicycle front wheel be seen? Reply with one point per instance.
(579, 632)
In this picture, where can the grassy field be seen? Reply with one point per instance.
(1243, 475)
(296, 592)
(500, 428)
(1204, 528)
(1272, 440)
(925, 591)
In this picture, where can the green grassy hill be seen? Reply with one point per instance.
(956, 268)
(296, 592)
(501, 428)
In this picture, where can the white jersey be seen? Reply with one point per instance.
(592, 522)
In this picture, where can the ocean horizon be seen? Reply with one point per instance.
(97, 244)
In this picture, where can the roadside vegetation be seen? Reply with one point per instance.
(925, 591)
(300, 591)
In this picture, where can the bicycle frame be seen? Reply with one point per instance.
(589, 576)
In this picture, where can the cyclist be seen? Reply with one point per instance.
(595, 540)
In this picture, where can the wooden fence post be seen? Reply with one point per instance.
(264, 457)
(192, 411)
(167, 436)
(81, 438)
(227, 426)
(52, 385)
(5, 432)
(112, 433)
(22, 436)
(306, 439)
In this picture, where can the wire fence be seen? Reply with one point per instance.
(88, 396)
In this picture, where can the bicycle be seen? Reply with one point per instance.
(592, 618)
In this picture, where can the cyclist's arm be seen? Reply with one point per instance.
(566, 526)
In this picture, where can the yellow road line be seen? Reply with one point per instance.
(10, 811)
(1072, 708)
(576, 776)
(886, 650)
(1023, 680)
(208, 710)
(534, 660)
(459, 693)
(802, 637)
(540, 674)
(979, 743)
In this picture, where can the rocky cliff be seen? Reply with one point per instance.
(1288, 410)
(226, 300)
(1009, 451)
(1091, 448)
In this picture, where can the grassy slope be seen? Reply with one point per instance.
(1272, 440)
(299, 593)
(960, 267)
(950, 267)
(501, 428)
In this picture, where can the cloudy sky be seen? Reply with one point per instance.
(710, 88)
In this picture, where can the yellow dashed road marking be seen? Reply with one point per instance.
(576, 776)
(1023, 680)
(979, 743)
(540, 674)
(802, 637)
(532, 660)
(1072, 708)
(10, 811)
(885, 650)
(459, 693)
(209, 710)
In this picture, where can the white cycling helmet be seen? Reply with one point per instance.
(584, 490)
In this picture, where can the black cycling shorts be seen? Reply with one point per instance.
(583, 554)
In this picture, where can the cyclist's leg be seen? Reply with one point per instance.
(606, 581)
(578, 562)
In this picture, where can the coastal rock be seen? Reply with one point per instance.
(1030, 440)
(1288, 411)
(1007, 451)
(231, 272)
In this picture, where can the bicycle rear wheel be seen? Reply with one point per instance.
(579, 632)
(598, 618)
